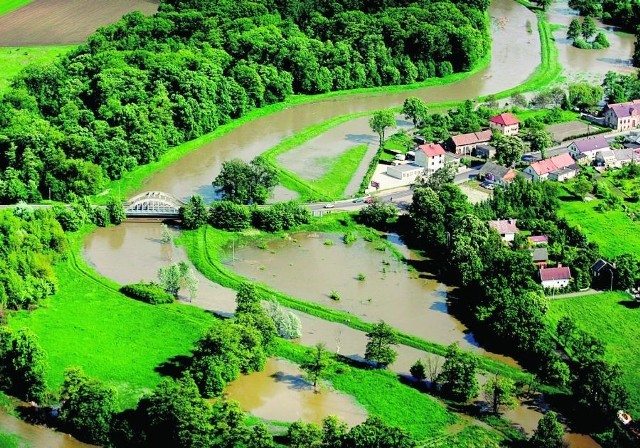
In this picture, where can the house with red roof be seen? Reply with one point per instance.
(622, 116)
(557, 277)
(466, 143)
(505, 123)
(506, 228)
(584, 150)
(559, 168)
(431, 157)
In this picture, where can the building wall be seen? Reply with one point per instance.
(398, 174)
(433, 164)
(555, 283)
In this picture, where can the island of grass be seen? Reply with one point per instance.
(613, 318)
(9, 5)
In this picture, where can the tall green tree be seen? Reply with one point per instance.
(23, 365)
(589, 28)
(540, 141)
(575, 29)
(116, 211)
(415, 109)
(246, 183)
(500, 392)
(381, 338)
(317, 363)
(549, 432)
(458, 375)
(195, 213)
(509, 149)
(380, 121)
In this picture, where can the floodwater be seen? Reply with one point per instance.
(590, 65)
(38, 436)
(412, 302)
(280, 393)
(515, 55)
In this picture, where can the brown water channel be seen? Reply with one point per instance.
(38, 436)
(280, 393)
(515, 55)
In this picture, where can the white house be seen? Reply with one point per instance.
(506, 228)
(505, 123)
(606, 158)
(622, 116)
(431, 157)
(555, 277)
(588, 147)
(560, 167)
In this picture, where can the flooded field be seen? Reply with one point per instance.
(64, 22)
(280, 393)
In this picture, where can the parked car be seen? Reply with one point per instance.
(329, 205)
(487, 185)
(358, 200)
(368, 200)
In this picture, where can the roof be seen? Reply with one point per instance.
(472, 138)
(626, 154)
(404, 167)
(432, 149)
(538, 239)
(559, 273)
(627, 109)
(497, 171)
(555, 163)
(592, 143)
(504, 119)
(606, 154)
(504, 226)
(540, 254)
(599, 265)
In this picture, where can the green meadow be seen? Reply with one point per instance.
(14, 59)
(9, 5)
(614, 318)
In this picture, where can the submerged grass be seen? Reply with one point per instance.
(124, 342)
(612, 317)
(14, 59)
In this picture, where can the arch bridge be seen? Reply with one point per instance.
(153, 204)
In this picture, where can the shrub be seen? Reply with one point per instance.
(229, 216)
(149, 292)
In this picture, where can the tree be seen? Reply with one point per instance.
(116, 211)
(549, 432)
(23, 364)
(374, 433)
(588, 28)
(418, 371)
(599, 386)
(415, 109)
(519, 100)
(194, 214)
(583, 95)
(626, 275)
(500, 392)
(88, 406)
(381, 338)
(169, 278)
(380, 121)
(458, 376)
(247, 299)
(544, 4)
(509, 149)
(246, 183)
(227, 215)
(286, 322)
(317, 363)
(540, 141)
(582, 186)
(575, 29)
(377, 215)
(304, 435)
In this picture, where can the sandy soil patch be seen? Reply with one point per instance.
(64, 22)
(475, 196)
(563, 131)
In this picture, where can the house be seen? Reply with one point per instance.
(589, 147)
(622, 116)
(466, 143)
(431, 157)
(602, 273)
(485, 151)
(506, 228)
(555, 277)
(495, 173)
(505, 123)
(538, 240)
(606, 158)
(405, 171)
(540, 256)
(625, 156)
(543, 169)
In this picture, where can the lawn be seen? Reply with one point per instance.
(613, 318)
(614, 231)
(117, 339)
(9, 5)
(339, 172)
(14, 59)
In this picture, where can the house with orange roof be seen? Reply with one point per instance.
(431, 157)
(505, 123)
(559, 168)
(466, 143)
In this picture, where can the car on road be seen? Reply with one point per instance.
(358, 200)
(329, 205)
(368, 200)
(488, 185)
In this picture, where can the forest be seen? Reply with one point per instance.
(145, 84)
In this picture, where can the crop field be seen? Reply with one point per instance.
(614, 318)
(63, 22)
(13, 59)
(119, 340)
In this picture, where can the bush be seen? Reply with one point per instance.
(280, 216)
(227, 215)
(149, 292)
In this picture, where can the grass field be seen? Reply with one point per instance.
(9, 5)
(117, 339)
(613, 318)
(613, 230)
(14, 59)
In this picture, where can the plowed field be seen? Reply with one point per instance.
(64, 22)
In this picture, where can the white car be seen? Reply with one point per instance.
(329, 205)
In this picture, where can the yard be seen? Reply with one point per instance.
(615, 319)
(119, 340)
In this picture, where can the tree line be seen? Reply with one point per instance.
(145, 84)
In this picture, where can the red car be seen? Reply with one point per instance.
(368, 200)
